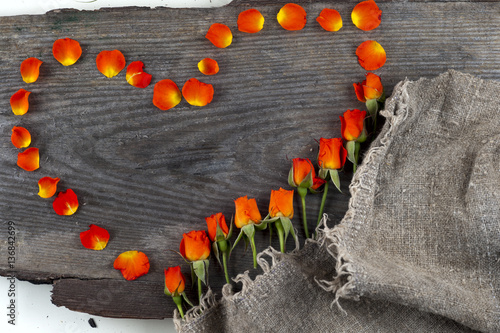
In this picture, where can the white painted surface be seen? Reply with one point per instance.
(34, 311)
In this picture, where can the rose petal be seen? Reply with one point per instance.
(132, 264)
(136, 77)
(251, 21)
(19, 102)
(197, 93)
(166, 95)
(110, 63)
(67, 51)
(29, 159)
(21, 137)
(47, 187)
(292, 17)
(371, 55)
(220, 35)
(30, 69)
(96, 238)
(360, 93)
(208, 66)
(66, 203)
(330, 19)
(366, 15)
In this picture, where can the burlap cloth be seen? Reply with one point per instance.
(419, 248)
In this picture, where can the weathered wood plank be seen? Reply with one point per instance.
(147, 175)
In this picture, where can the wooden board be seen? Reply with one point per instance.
(148, 175)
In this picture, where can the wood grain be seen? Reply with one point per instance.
(148, 175)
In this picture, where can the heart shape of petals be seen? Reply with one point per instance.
(132, 264)
(250, 21)
(366, 15)
(166, 95)
(208, 66)
(30, 69)
(21, 137)
(47, 187)
(371, 55)
(330, 19)
(29, 159)
(136, 77)
(110, 63)
(197, 93)
(292, 17)
(19, 102)
(67, 51)
(96, 238)
(66, 203)
(220, 35)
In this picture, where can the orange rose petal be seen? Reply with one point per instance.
(66, 203)
(208, 66)
(96, 238)
(19, 102)
(136, 77)
(21, 137)
(220, 35)
(29, 159)
(292, 17)
(110, 63)
(67, 51)
(251, 21)
(132, 264)
(166, 95)
(360, 93)
(371, 55)
(330, 19)
(30, 69)
(47, 187)
(366, 15)
(197, 93)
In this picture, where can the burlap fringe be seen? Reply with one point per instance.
(343, 283)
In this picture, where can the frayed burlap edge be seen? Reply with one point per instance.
(362, 189)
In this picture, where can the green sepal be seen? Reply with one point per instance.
(237, 240)
(334, 175)
(184, 296)
(215, 251)
(230, 232)
(200, 268)
(219, 234)
(249, 230)
(286, 224)
(323, 173)
(363, 136)
(351, 151)
(381, 99)
(372, 106)
(308, 181)
(290, 178)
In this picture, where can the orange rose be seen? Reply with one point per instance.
(175, 281)
(332, 154)
(195, 245)
(301, 169)
(353, 125)
(212, 222)
(370, 88)
(246, 212)
(281, 203)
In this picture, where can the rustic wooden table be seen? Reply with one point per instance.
(149, 175)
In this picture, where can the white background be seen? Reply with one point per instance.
(35, 312)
